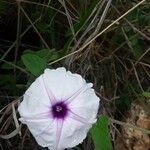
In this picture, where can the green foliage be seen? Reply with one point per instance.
(141, 19)
(133, 15)
(34, 63)
(100, 134)
(140, 16)
(46, 54)
(84, 12)
(146, 94)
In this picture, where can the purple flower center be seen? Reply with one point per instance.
(59, 110)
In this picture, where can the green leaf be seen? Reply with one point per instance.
(46, 54)
(100, 134)
(34, 63)
(146, 94)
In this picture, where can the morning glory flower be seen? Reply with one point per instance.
(59, 108)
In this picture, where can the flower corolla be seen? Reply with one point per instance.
(59, 108)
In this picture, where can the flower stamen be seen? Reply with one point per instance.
(59, 110)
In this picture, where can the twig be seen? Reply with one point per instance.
(138, 61)
(129, 125)
(68, 16)
(113, 23)
(11, 47)
(40, 4)
(17, 37)
(17, 67)
(137, 77)
(142, 56)
(99, 7)
(132, 26)
(101, 19)
(34, 28)
(130, 38)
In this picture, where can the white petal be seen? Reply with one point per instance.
(63, 84)
(74, 132)
(44, 133)
(86, 105)
(83, 114)
(32, 107)
(35, 99)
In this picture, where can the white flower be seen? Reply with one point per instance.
(59, 108)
